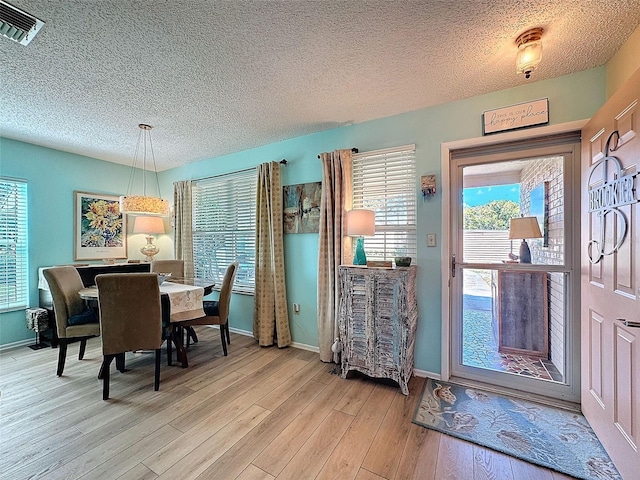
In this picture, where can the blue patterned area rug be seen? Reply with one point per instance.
(554, 438)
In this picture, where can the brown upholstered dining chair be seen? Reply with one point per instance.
(217, 312)
(174, 267)
(130, 319)
(74, 320)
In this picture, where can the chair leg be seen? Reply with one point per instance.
(120, 362)
(62, 355)
(224, 341)
(83, 347)
(226, 329)
(156, 384)
(192, 333)
(106, 364)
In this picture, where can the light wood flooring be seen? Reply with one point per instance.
(258, 414)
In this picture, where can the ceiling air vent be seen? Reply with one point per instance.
(17, 25)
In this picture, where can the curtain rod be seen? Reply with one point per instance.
(282, 162)
(353, 150)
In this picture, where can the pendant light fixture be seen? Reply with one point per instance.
(529, 51)
(143, 204)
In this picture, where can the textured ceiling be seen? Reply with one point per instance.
(215, 77)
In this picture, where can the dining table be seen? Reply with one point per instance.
(181, 299)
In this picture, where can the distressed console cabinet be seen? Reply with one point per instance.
(377, 322)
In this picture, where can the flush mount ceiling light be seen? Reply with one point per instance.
(143, 204)
(17, 25)
(529, 51)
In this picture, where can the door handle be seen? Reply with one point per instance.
(453, 265)
(628, 323)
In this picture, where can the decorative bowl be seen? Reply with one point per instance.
(403, 261)
(162, 277)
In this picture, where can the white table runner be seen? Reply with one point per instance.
(185, 300)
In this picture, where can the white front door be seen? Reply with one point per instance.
(610, 254)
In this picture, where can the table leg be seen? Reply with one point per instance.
(169, 329)
(167, 335)
(181, 352)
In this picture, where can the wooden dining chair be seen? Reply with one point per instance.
(217, 312)
(74, 320)
(130, 319)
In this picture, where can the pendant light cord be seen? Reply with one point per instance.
(145, 130)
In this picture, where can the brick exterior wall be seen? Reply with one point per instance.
(533, 175)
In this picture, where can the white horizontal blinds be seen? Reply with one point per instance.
(224, 224)
(385, 181)
(14, 267)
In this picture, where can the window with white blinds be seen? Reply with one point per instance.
(385, 181)
(14, 265)
(224, 227)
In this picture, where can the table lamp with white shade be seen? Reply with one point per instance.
(524, 227)
(149, 226)
(360, 222)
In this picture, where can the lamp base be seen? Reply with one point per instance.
(360, 257)
(149, 250)
(525, 253)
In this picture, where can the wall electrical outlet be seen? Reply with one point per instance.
(296, 308)
(431, 239)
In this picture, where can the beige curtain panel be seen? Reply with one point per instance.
(182, 227)
(270, 315)
(334, 245)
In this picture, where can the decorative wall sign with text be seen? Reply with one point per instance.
(516, 116)
(606, 199)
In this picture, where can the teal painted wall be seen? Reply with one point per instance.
(52, 178)
(572, 97)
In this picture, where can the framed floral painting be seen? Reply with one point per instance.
(100, 228)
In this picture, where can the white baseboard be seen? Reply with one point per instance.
(18, 344)
(301, 346)
(425, 373)
(246, 333)
(304, 346)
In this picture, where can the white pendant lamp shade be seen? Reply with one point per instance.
(140, 205)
